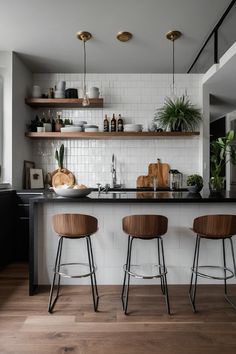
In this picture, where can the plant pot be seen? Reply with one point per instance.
(216, 185)
(194, 189)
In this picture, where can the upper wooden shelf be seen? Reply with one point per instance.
(63, 102)
(116, 135)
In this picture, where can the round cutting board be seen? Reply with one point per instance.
(63, 176)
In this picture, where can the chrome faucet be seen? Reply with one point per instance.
(113, 172)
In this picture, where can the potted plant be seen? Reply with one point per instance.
(194, 183)
(178, 114)
(222, 152)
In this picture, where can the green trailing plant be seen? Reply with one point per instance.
(195, 180)
(222, 152)
(59, 156)
(178, 114)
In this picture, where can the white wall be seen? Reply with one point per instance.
(6, 74)
(21, 115)
(135, 97)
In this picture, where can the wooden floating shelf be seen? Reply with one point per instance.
(63, 102)
(116, 135)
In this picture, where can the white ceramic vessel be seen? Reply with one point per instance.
(72, 192)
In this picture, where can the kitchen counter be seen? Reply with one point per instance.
(135, 196)
(110, 243)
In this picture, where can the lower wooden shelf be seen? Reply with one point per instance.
(116, 135)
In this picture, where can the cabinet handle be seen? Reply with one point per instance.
(22, 205)
(24, 218)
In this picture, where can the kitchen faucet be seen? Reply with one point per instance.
(113, 172)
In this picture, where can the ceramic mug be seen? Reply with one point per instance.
(93, 92)
(36, 91)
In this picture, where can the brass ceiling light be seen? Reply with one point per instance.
(172, 36)
(84, 37)
(124, 36)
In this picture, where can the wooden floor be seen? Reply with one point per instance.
(26, 327)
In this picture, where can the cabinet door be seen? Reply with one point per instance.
(21, 246)
(7, 228)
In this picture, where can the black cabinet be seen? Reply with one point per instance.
(21, 252)
(7, 228)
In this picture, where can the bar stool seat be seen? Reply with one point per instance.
(212, 227)
(74, 226)
(145, 227)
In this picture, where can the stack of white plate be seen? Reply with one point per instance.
(90, 128)
(133, 127)
(70, 129)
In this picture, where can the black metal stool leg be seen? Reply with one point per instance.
(92, 271)
(224, 262)
(165, 278)
(125, 274)
(233, 258)
(51, 303)
(93, 265)
(128, 281)
(159, 264)
(192, 289)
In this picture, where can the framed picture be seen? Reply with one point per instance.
(26, 173)
(36, 178)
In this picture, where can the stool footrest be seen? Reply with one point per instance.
(67, 275)
(157, 271)
(208, 276)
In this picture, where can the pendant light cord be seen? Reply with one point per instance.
(84, 68)
(173, 65)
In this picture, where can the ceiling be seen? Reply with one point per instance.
(44, 33)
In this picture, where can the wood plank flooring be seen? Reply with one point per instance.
(26, 327)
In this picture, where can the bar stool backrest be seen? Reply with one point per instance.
(215, 226)
(74, 225)
(145, 226)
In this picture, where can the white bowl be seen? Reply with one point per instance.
(133, 127)
(91, 130)
(71, 129)
(90, 126)
(72, 192)
(59, 94)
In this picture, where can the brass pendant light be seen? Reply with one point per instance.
(84, 36)
(124, 36)
(172, 36)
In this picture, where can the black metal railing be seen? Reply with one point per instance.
(214, 35)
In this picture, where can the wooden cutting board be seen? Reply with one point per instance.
(160, 171)
(62, 176)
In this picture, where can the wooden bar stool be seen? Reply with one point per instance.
(74, 226)
(214, 227)
(145, 227)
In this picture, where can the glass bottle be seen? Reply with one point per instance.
(106, 124)
(120, 124)
(113, 123)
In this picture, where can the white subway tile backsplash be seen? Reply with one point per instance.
(136, 97)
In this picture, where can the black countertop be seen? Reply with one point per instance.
(133, 196)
